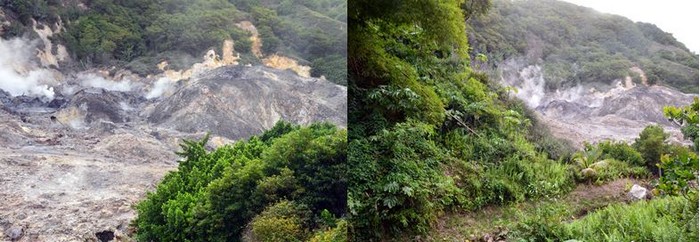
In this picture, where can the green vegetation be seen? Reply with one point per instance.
(662, 219)
(687, 118)
(679, 164)
(428, 134)
(651, 144)
(608, 161)
(578, 45)
(679, 168)
(281, 185)
(139, 34)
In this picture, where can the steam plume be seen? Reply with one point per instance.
(19, 74)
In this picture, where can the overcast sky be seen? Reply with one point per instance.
(678, 17)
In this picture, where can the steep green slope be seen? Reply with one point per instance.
(427, 134)
(139, 34)
(579, 45)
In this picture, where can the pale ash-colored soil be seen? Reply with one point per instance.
(68, 173)
(621, 115)
(69, 196)
(59, 184)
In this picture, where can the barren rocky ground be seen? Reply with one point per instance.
(71, 169)
(621, 116)
(596, 111)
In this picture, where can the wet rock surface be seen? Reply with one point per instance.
(72, 171)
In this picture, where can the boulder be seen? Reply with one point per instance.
(638, 192)
(15, 232)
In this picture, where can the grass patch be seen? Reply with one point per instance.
(671, 218)
(529, 218)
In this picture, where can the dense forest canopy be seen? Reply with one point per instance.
(579, 45)
(139, 34)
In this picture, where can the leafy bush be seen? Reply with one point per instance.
(599, 163)
(544, 225)
(679, 167)
(279, 222)
(214, 194)
(339, 233)
(429, 134)
(687, 118)
(621, 151)
(651, 144)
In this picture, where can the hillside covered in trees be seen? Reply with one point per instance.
(139, 34)
(434, 144)
(577, 45)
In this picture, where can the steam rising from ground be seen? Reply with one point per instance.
(19, 74)
(531, 88)
(593, 111)
(161, 86)
(93, 80)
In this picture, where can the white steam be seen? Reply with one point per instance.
(93, 80)
(19, 74)
(531, 89)
(163, 85)
(530, 83)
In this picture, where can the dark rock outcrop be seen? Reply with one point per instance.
(99, 104)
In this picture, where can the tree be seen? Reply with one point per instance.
(651, 144)
(476, 7)
(214, 195)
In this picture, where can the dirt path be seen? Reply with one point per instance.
(492, 222)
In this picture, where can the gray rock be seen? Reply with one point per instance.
(638, 192)
(15, 232)
(237, 102)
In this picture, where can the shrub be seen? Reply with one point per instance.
(678, 168)
(621, 151)
(651, 144)
(214, 194)
(672, 218)
(599, 163)
(687, 118)
(337, 234)
(280, 222)
(543, 225)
